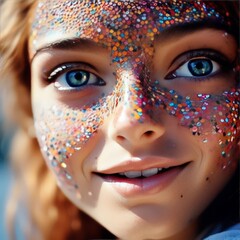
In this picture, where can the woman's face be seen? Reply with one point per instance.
(136, 109)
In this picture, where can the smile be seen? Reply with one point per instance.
(133, 183)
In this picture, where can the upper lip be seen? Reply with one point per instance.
(141, 164)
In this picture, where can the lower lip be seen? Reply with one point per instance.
(138, 186)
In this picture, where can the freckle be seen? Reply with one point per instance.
(181, 196)
(207, 178)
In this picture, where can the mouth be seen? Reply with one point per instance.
(130, 181)
(142, 174)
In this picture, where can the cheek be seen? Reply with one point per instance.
(61, 132)
(216, 121)
(212, 118)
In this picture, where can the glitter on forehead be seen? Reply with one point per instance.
(117, 22)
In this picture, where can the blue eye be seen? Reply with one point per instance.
(70, 77)
(77, 78)
(200, 67)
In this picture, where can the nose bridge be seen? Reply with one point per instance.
(134, 94)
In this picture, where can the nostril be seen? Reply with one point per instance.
(120, 138)
(148, 133)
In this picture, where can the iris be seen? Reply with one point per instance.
(200, 67)
(77, 78)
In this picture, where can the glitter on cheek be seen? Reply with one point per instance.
(62, 131)
(206, 116)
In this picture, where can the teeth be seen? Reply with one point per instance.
(145, 173)
(149, 172)
(133, 174)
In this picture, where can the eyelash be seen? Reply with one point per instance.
(68, 69)
(203, 55)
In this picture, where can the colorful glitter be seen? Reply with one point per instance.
(128, 29)
(75, 127)
(124, 26)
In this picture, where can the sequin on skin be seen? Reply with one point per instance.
(108, 23)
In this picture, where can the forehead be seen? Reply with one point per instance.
(97, 19)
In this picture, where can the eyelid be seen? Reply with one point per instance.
(207, 53)
(211, 54)
(56, 71)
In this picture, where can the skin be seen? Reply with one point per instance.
(120, 133)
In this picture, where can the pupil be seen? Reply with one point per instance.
(77, 78)
(200, 67)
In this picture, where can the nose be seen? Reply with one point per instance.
(128, 131)
(134, 123)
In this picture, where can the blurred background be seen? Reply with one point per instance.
(5, 174)
(7, 130)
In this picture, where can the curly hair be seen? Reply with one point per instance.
(50, 215)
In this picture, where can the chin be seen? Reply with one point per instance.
(142, 233)
(141, 229)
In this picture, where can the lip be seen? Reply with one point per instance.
(132, 187)
(141, 164)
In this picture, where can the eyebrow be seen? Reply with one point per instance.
(176, 31)
(188, 28)
(69, 44)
